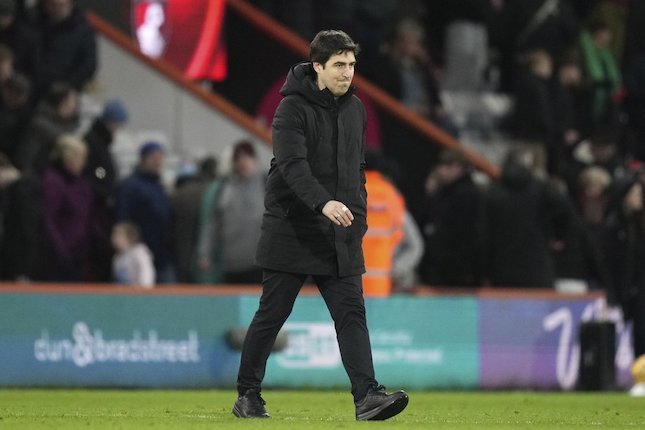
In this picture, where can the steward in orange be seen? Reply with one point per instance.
(385, 218)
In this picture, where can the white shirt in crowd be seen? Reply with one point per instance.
(134, 267)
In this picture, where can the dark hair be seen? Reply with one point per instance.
(58, 93)
(243, 148)
(331, 42)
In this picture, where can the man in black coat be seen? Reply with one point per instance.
(20, 38)
(314, 222)
(67, 45)
(450, 225)
(524, 217)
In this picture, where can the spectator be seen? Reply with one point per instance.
(601, 72)
(523, 216)
(67, 204)
(601, 151)
(142, 200)
(408, 72)
(580, 255)
(20, 38)
(67, 45)
(385, 220)
(22, 252)
(449, 225)
(604, 153)
(571, 102)
(466, 44)
(100, 172)
(15, 113)
(132, 264)
(592, 200)
(186, 203)
(625, 253)
(231, 216)
(56, 115)
(579, 265)
(529, 25)
(535, 118)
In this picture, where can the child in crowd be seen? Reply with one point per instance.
(132, 263)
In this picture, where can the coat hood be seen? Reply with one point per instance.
(301, 80)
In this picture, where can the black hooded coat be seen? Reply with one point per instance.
(318, 148)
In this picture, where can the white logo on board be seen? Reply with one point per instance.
(87, 347)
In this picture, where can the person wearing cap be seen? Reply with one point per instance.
(20, 38)
(142, 200)
(101, 173)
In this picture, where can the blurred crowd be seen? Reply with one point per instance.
(567, 211)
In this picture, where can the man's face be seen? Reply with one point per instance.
(337, 73)
(245, 166)
(58, 10)
(602, 38)
(153, 162)
(75, 163)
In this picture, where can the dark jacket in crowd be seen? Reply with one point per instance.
(34, 150)
(452, 240)
(22, 244)
(68, 51)
(580, 256)
(100, 170)
(141, 199)
(318, 147)
(100, 173)
(522, 216)
(13, 122)
(625, 247)
(68, 215)
(534, 116)
(186, 203)
(625, 253)
(23, 42)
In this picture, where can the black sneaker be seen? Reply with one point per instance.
(378, 405)
(250, 405)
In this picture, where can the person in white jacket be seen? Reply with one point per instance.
(132, 264)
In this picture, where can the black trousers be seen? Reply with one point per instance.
(344, 299)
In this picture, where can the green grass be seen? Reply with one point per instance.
(106, 409)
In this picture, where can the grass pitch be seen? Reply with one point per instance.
(112, 409)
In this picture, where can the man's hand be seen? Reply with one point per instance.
(338, 213)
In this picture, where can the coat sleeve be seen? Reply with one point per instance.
(290, 150)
